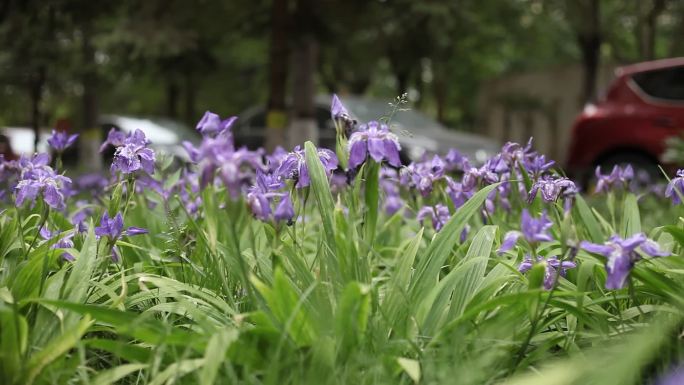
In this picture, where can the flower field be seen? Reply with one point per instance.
(337, 266)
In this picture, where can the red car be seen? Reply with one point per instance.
(642, 107)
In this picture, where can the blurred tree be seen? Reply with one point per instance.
(276, 116)
(27, 31)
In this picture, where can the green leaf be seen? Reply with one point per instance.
(427, 271)
(55, 348)
(472, 277)
(631, 221)
(13, 338)
(116, 373)
(592, 226)
(326, 206)
(177, 370)
(371, 195)
(411, 367)
(351, 317)
(215, 354)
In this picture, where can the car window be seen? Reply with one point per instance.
(665, 84)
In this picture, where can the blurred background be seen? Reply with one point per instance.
(500, 70)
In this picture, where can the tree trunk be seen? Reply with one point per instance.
(305, 53)
(276, 117)
(649, 28)
(589, 39)
(90, 136)
(36, 93)
(304, 125)
(172, 94)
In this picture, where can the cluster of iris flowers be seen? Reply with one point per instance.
(429, 191)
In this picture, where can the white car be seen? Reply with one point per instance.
(165, 135)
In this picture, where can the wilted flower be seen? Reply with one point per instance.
(340, 116)
(552, 267)
(439, 214)
(534, 230)
(134, 155)
(294, 166)
(60, 140)
(676, 188)
(375, 139)
(621, 256)
(211, 123)
(618, 177)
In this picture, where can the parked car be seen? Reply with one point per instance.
(165, 134)
(642, 107)
(418, 134)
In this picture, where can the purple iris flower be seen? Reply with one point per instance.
(211, 124)
(294, 166)
(422, 175)
(134, 155)
(472, 176)
(514, 152)
(42, 181)
(674, 377)
(260, 195)
(217, 156)
(285, 210)
(93, 183)
(618, 177)
(457, 193)
(115, 139)
(64, 242)
(339, 114)
(375, 139)
(60, 140)
(534, 230)
(439, 215)
(80, 215)
(621, 256)
(274, 159)
(676, 188)
(454, 160)
(552, 268)
(112, 229)
(389, 184)
(537, 164)
(552, 188)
